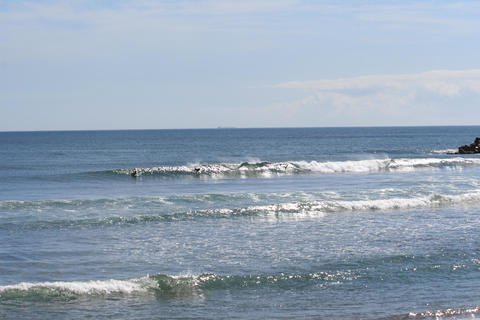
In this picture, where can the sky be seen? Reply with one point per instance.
(93, 64)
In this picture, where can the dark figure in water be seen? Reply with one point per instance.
(134, 173)
(197, 170)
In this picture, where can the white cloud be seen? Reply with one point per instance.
(393, 99)
(170, 46)
(441, 82)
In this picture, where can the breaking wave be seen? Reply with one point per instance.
(162, 285)
(159, 284)
(445, 151)
(300, 209)
(34, 291)
(247, 169)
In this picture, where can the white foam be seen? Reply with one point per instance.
(417, 162)
(322, 207)
(445, 151)
(267, 169)
(88, 287)
(344, 166)
(401, 164)
(446, 313)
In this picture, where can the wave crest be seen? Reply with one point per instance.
(247, 169)
(295, 210)
(159, 284)
(61, 290)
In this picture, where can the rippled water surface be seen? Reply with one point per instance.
(316, 223)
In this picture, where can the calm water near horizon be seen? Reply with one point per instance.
(315, 223)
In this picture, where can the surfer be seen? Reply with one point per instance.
(389, 164)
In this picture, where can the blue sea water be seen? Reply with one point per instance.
(315, 223)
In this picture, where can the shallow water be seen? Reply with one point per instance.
(331, 223)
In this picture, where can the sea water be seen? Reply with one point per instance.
(315, 223)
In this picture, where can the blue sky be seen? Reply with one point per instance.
(198, 64)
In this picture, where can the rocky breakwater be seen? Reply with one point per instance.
(471, 148)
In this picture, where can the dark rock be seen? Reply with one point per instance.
(471, 148)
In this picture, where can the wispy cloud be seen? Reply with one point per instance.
(384, 12)
(441, 82)
(189, 53)
(402, 97)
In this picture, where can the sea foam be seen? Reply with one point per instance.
(294, 209)
(84, 288)
(266, 169)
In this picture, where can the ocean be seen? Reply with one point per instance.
(311, 223)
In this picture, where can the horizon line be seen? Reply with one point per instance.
(233, 128)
